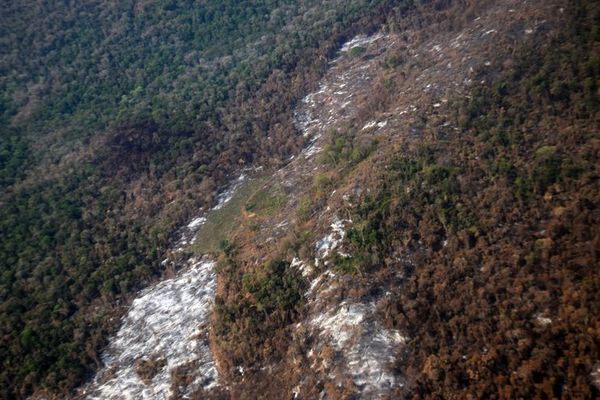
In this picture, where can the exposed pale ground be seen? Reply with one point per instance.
(170, 319)
(167, 321)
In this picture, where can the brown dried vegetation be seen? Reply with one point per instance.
(485, 205)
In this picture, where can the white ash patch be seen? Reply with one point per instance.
(312, 149)
(196, 222)
(331, 241)
(542, 320)
(193, 228)
(369, 125)
(366, 347)
(334, 101)
(304, 117)
(596, 375)
(186, 235)
(282, 224)
(162, 322)
(344, 254)
(226, 196)
(296, 391)
(372, 124)
(326, 278)
(314, 284)
(305, 269)
(360, 40)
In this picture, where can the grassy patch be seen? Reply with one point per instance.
(265, 201)
(220, 223)
(357, 51)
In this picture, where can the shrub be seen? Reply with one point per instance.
(357, 51)
(275, 288)
(547, 168)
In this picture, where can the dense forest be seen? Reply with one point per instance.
(119, 120)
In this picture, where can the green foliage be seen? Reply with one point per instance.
(357, 51)
(14, 156)
(413, 187)
(260, 304)
(344, 150)
(505, 168)
(170, 85)
(51, 268)
(305, 207)
(369, 234)
(226, 247)
(216, 230)
(274, 288)
(322, 184)
(265, 202)
(173, 63)
(115, 121)
(393, 61)
(547, 168)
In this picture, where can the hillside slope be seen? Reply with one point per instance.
(118, 121)
(439, 237)
(365, 199)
